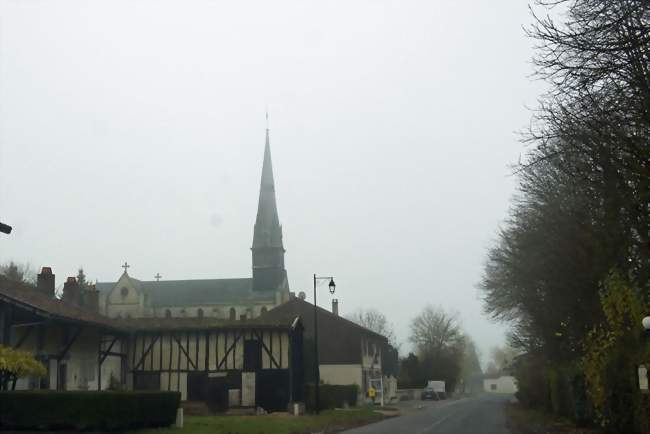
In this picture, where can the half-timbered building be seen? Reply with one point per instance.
(222, 363)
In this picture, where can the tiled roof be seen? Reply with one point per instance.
(339, 339)
(29, 298)
(152, 324)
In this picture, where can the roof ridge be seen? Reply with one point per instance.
(366, 329)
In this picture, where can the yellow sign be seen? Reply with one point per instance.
(371, 392)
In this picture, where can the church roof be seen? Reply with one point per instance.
(195, 292)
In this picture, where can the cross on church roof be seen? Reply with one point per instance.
(125, 266)
(157, 277)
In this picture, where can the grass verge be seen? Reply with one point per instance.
(278, 423)
(521, 420)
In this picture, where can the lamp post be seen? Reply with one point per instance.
(642, 369)
(332, 287)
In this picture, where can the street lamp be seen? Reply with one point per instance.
(645, 322)
(332, 288)
(5, 229)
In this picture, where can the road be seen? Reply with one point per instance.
(481, 415)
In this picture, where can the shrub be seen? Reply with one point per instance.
(83, 410)
(15, 364)
(331, 396)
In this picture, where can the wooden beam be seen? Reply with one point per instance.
(24, 337)
(104, 354)
(206, 367)
(180, 345)
(231, 348)
(28, 324)
(145, 353)
(270, 353)
(71, 341)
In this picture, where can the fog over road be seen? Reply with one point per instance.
(482, 415)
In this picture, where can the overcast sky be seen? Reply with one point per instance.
(134, 131)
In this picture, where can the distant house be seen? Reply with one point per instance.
(348, 352)
(501, 383)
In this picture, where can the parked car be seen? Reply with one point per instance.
(429, 393)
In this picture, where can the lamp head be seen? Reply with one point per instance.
(332, 285)
(646, 323)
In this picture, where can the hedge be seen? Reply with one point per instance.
(85, 410)
(331, 396)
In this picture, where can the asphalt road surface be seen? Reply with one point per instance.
(481, 415)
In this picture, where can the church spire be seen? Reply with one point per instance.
(268, 249)
(268, 232)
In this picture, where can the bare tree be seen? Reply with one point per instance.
(501, 357)
(14, 272)
(435, 330)
(376, 321)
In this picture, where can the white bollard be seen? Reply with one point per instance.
(179, 418)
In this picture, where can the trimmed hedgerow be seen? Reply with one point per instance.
(331, 396)
(86, 410)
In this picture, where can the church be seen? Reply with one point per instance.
(229, 299)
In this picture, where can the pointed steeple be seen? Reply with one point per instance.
(268, 232)
(268, 250)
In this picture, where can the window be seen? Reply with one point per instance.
(233, 314)
(124, 291)
(199, 313)
(493, 386)
(168, 313)
(252, 355)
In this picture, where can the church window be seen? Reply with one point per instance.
(199, 313)
(233, 314)
(168, 313)
(124, 291)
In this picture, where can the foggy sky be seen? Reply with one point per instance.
(134, 130)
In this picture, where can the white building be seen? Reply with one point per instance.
(500, 384)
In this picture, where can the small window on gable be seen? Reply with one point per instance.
(199, 313)
(233, 314)
(124, 291)
(168, 313)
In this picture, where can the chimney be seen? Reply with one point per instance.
(45, 282)
(335, 306)
(71, 291)
(91, 299)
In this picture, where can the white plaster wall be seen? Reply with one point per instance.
(131, 305)
(341, 374)
(81, 359)
(504, 384)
